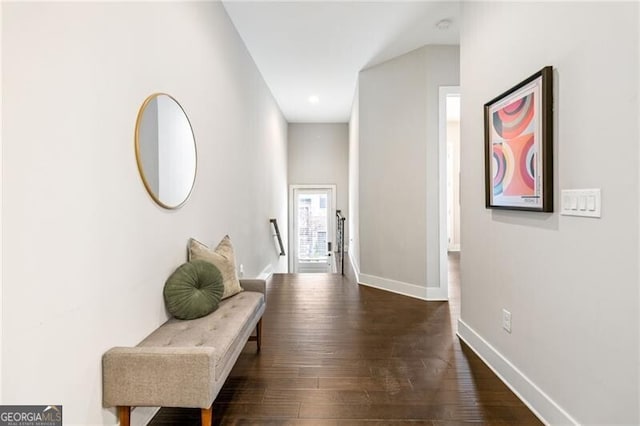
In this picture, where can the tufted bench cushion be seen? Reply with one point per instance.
(184, 363)
(223, 330)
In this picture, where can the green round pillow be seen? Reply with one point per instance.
(193, 290)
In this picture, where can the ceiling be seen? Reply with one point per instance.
(306, 48)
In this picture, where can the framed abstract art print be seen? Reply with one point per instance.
(518, 127)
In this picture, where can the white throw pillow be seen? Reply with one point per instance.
(223, 258)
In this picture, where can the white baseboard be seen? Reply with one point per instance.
(398, 287)
(266, 273)
(454, 247)
(547, 410)
(438, 294)
(405, 289)
(354, 267)
(141, 416)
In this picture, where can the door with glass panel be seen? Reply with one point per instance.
(312, 217)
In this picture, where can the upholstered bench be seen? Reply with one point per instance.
(184, 363)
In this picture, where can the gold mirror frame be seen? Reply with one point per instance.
(156, 197)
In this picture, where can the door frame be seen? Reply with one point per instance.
(444, 91)
(293, 252)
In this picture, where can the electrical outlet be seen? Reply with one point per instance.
(506, 320)
(241, 270)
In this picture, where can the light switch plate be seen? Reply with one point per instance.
(506, 320)
(581, 202)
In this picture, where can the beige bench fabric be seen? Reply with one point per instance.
(184, 363)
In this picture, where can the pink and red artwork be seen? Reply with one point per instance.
(518, 136)
(514, 156)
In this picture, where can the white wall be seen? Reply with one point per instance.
(319, 154)
(353, 219)
(570, 283)
(398, 169)
(443, 69)
(89, 250)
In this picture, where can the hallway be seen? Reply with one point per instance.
(335, 353)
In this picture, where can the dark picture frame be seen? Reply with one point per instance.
(518, 134)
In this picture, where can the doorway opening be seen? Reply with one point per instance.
(312, 228)
(449, 154)
(453, 172)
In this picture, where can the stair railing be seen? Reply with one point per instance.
(340, 238)
(276, 231)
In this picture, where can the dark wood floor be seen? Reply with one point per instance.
(335, 353)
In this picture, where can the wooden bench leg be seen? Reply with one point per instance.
(124, 414)
(206, 416)
(259, 334)
(258, 337)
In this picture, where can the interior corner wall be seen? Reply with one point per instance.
(353, 219)
(318, 153)
(398, 169)
(570, 283)
(86, 250)
(442, 69)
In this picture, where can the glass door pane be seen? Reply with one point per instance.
(312, 229)
(312, 226)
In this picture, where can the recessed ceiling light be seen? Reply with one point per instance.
(443, 24)
(313, 99)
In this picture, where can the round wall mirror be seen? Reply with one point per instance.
(165, 150)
